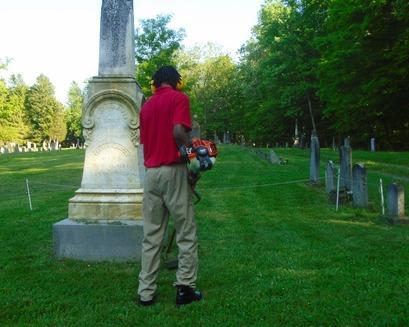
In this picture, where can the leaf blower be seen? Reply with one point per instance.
(202, 155)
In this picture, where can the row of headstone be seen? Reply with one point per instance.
(271, 157)
(395, 192)
(358, 180)
(30, 147)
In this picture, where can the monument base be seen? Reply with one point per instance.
(106, 204)
(397, 220)
(98, 240)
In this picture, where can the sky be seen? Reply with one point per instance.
(60, 38)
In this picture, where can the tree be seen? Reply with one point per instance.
(207, 71)
(13, 117)
(73, 113)
(155, 46)
(4, 63)
(363, 70)
(45, 113)
(58, 129)
(283, 59)
(4, 112)
(268, 75)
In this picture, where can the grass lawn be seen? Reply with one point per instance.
(273, 250)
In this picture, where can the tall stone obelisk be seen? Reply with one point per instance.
(104, 216)
(111, 182)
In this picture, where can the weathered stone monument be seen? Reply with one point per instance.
(315, 159)
(372, 144)
(296, 143)
(396, 200)
(273, 158)
(195, 128)
(396, 204)
(345, 153)
(226, 137)
(330, 177)
(104, 216)
(360, 186)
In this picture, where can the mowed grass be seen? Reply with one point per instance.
(273, 249)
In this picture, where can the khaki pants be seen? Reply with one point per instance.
(167, 192)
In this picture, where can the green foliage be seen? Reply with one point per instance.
(284, 62)
(34, 114)
(4, 63)
(73, 113)
(45, 113)
(58, 128)
(208, 86)
(339, 67)
(155, 46)
(273, 251)
(363, 70)
(13, 120)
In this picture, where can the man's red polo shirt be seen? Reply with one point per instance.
(159, 114)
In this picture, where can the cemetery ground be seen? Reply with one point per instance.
(272, 248)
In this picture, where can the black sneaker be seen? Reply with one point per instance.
(143, 304)
(186, 295)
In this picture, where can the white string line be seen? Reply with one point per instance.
(253, 186)
(274, 184)
(224, 188)
(67, 186)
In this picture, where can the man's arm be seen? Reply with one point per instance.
(180, 135)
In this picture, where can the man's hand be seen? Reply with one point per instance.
(183, 154)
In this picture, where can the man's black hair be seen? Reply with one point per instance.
(168, 75)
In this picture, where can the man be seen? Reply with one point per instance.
(164, 132)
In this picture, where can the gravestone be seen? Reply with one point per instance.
(345, 153)
(296, 139)
(330, 177)
(396, 200)
(372, 144)
(105, 215)
(226, 137)
(314, 159)
(111, 182)
(302, 141)
(195, 129)
(360, 186)
(274, 159)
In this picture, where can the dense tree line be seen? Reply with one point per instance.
(336, 67)
(339, 68)
(33, 114)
